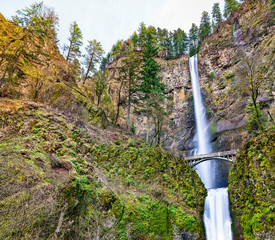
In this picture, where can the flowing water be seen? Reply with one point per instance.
(216, 217)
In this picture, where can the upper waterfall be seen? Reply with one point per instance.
(201, 121)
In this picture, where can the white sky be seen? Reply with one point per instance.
(110, 20)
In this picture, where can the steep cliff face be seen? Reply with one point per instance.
(179, 127)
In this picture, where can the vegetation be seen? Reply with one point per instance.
(93, 57)
(60, 180)
(75, 42)
(253, 78)
(251, 188)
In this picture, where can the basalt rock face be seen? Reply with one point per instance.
(179, 128)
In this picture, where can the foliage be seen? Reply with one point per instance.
(58, 181)
(193, 38)
(92, 57)
(151, 91)
(216, 15)
(205, 26)
(100, 84)
(36, 28)
(132, 128)
(252, 79)
(252, 117)
(250, 187)
(230, 6)
(75, 42)
(128, 77)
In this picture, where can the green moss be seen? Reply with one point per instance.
(251, 187)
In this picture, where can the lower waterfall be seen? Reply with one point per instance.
(216, 217)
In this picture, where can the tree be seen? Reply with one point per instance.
(193, 39)
(100, 85)
(75, 42)
(128, 75)
(179, 42)
(230, 6)
(51, 24)
(252, 79)
(205, 26)
(216, 15)
(150, 84)
(92, 57)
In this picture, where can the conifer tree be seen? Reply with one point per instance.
(193, 39)
(205, 26)
(75, 42)
(128, 74)
(92, 57)
(151, 90)
(216, 15)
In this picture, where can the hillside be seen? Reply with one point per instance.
(62, 177)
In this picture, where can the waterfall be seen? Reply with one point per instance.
(216, 217)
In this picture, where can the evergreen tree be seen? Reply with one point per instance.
(179, 42)
(75, 42)
(151, 90)
(92, 57)
(205, 26)
(51, 24)
(230, 6)
(135, 39)
(128, 74)
(193, 39)
(216, 15)
(142, 31)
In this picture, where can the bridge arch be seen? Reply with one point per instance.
(192, 165)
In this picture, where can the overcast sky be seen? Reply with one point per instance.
(110, 20)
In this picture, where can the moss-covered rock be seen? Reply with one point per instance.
(251, 188)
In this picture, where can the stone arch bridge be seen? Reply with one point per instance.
(224, 156)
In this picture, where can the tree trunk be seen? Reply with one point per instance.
(89, 68)
(129, 103)
(148, 130)
(254, 99)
